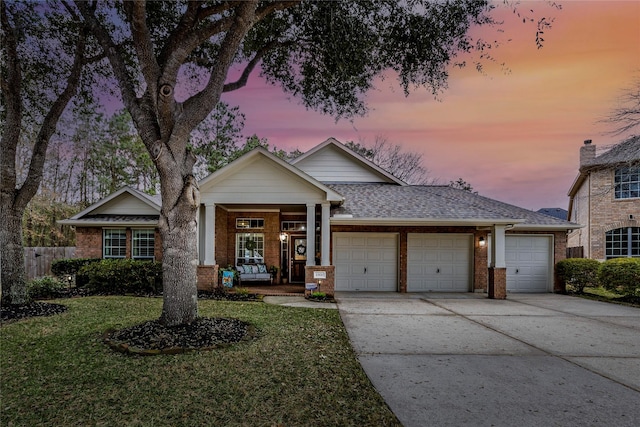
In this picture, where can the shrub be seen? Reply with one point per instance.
(621, 274)
(578, 273)
(123, 276)
(45, 287)
(71, 267)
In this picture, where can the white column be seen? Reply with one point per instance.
(326, 233)
(498, 258)
(311, 234)
(209, 234)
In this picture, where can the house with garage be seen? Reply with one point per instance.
(605, 199)
(333, 218)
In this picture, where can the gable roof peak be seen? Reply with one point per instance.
(332, 142)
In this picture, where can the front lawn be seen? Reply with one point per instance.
(299, 371)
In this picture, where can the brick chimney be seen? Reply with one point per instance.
(587, 153)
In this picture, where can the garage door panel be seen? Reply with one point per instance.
(366, 261)
(438, 262)
(528, 263)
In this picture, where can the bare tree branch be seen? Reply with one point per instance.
(625, 118)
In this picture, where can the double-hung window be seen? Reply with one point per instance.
(114, 243)
(142, 247)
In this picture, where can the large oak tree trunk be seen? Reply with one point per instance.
(179, 261)
(12, 256)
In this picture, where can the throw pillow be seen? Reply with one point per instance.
(262, 268)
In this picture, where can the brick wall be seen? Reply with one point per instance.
(207, 277)
(325, 285)
(89, 243)
(606, 212)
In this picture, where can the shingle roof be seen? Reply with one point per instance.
(432, 203)
(554, 212)
(626, 151)
(112, 220)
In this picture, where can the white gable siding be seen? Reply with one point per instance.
(331, 165)
(125, 204)
(261, 182)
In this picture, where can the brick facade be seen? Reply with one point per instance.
(324, 285)
(89, 243)
(596, 208)
(207, 277)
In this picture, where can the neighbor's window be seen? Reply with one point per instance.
(623, 242)
(114, 243)
(142, 247)
(250, 223)
(627, 182)
(249, 248)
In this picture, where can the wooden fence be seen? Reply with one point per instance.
(575, 252)
(37, 260)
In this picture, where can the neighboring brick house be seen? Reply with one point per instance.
(331, 216)
(605, 200)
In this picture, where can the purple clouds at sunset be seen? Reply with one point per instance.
(514, 135)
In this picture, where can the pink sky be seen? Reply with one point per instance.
(514, 136)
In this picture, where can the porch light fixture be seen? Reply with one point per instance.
(482, 242)
(283, 237)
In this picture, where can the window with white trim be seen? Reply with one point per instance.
(627, 182)
(249, 248)
(143, 244)
(623, 243)
(114, 243)
(249, 222)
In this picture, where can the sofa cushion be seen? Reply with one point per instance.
(262, 268)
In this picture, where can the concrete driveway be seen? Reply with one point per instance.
(530, 360)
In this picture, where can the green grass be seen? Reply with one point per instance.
(601, 294)
(300, 371)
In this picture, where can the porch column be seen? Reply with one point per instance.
(311, 234)
(326, 233)
(209, 234)
(498, 268)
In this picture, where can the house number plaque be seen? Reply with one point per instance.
(319, 274)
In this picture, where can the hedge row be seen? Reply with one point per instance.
(123, 276)
(107, 276)
(618, 274)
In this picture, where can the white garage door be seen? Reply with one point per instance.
(438, 262)
(528, 260)
(366, 261)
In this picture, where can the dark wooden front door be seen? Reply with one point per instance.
(298, 256)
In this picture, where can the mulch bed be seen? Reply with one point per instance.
(151, 338)
(34, 309)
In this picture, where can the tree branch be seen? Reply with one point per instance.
(248, 69)
(10, 83)
(133, 104)
(198, 106)
(136, 15)
(48, 127)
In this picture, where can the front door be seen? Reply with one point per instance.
(298, 258)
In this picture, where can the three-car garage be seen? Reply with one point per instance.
(436, 262)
